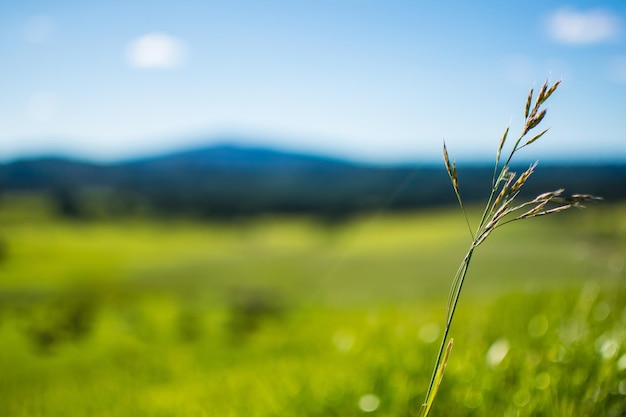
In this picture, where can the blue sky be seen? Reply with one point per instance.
(375, 80)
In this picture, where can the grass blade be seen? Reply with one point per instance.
(430, 397)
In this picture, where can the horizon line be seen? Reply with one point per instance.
(472, 160)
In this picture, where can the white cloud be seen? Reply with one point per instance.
(156, 50)
(583, 27)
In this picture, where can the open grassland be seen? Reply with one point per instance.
(296, 317)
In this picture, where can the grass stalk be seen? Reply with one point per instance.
(499, 210)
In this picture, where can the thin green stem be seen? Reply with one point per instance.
(455, 294)
(469, 226)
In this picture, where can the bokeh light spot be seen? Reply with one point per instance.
(369, 403)
(497, 352)
(608, 348)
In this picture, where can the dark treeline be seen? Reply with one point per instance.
(234, 182)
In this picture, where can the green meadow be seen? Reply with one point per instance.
(295, 316)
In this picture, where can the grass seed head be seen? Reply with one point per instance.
(446, 159)
(534, 138)
(541, 96)
(576, 200)
(501, 145)
(534, 120)
(451, 168)
(549, 195)
(554, 210)
(532, 212)
(550, 90)
(528, 101)
(522, 179)
(510, 176)
(585, 197)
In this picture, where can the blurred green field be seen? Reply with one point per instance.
(297, 317)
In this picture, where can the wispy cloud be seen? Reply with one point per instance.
(156, 50)
(593, 26)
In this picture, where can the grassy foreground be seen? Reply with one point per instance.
(291, 317)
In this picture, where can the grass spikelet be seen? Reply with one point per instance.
(549, 195)
(452, 173)
(534, 138)
(534, 121)
(522, 179)
(501, 145)
(499, 211)
(541, 98)
(550, 211)
(451, 168)
(583, 197)
(551, 90)
(528, 102)
(534, 210)
(510, 177)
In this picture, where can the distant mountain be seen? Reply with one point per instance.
(227, 181)
(47, 172)
(234, 157)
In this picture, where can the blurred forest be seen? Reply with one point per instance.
(231, 182)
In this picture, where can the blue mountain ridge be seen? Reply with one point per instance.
(229, 179)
